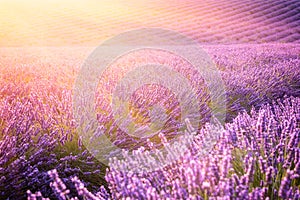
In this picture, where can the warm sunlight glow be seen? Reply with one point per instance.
(79, 22)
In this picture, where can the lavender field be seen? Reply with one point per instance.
(256, 155)
(203, 104)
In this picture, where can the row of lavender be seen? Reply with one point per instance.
(38, 132)
(257, 157)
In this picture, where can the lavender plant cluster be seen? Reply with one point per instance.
(256, 157)
(256, 74)
(37, 135)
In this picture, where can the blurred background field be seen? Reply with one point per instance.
(87, 23)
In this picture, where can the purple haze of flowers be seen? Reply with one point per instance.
(38, 130)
